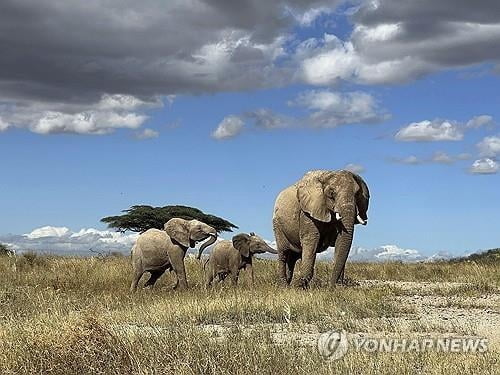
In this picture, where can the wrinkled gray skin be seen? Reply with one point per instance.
(229, 257)
(317, 212)
(159, 250)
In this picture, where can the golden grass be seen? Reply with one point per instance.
(76, 316)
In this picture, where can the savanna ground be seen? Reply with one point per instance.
(63, 315)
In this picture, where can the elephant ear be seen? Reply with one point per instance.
(177, 229)
(241, 242)
(362, 197)
(312, 198)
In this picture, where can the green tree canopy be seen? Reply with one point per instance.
(140, 218)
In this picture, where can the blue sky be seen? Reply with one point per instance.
(291, 109)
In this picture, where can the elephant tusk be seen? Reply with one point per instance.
(337, 216)
(361, 221)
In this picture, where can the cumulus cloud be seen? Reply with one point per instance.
(330, 109)
(267, 119)
(484, 166)
(480, 121)
(394, 42)
(62, 240)
(411, 160)
(146, 134)
(3, 125)
(356, 168)
(430, 131)
(442, 157)
(386, 253)
(489, 146)
(325, 109)
(229, 127)
(143, 49)
(111, 112)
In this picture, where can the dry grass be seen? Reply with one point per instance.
(76, 316)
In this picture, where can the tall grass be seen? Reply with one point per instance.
(76, 316)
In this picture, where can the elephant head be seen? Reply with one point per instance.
(249, 244)
(188, 232)
(340, 196)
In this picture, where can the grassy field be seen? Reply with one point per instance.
(63, 315)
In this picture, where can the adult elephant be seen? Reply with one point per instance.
(317, 212)
(156, 251)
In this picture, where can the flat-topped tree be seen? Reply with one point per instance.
(140, 218)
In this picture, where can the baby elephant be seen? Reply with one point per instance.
(229, 257)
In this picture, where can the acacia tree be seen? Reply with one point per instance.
(140, 218)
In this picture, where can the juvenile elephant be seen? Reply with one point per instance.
(159, 250)
(229, 257)
(317, 212)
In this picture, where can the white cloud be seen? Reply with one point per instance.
(479, 121)
(484, 166)
(330, 109)
(308, 17)
(396, 42)
(429, 131)
(326, 109)
(125, 102)
(62, 240)
(385, 253)
(147, 134)
(267, 119)
(489, 146)
(442, 157)
(389, 253)
(91, 122)
(48, 231)
(328, 60)
(229, 127)
(111, 112)
(3, 125)
(356, 168)
(412, 160)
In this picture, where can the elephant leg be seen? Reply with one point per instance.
(176, 256)
(209, 277)
(290, 265)
(154, 276)
(135, 281)
(309, 239)
(283, 251)
(221, 276)
(234, 277)
(282, 260)
(249, 269)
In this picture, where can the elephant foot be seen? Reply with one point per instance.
(303, 283)
(345, 281)
(179, 286)
(349, 282)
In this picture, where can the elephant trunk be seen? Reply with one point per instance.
(343, 245)
(271, 250)
(210, 241)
